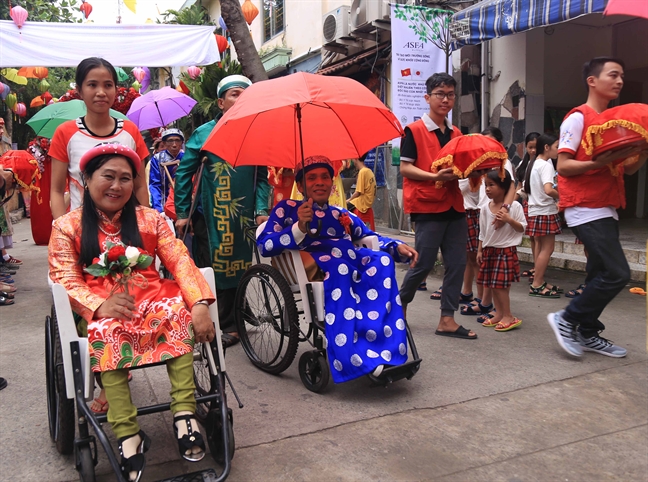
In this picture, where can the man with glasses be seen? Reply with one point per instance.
(438, 215)
(163, 167)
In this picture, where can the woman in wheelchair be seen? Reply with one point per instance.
(152, 324)
(365, 325)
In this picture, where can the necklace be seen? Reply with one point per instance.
(110, 235)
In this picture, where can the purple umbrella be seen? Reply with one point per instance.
(159, 108)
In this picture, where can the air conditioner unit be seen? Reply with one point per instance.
(335, 24)
(366, 11)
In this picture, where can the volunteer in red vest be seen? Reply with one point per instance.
(590, 195)
(438, 214)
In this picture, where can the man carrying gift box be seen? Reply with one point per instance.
(438, 214)
(590, 194)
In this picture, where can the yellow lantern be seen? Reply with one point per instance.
(250, 11)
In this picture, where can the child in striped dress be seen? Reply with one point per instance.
(497, 253)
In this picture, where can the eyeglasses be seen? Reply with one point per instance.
(442, 95)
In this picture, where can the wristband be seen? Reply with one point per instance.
(507, 207)
(202, 302)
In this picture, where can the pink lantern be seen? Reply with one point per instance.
(139, 73)
(18, 15)
(194, 72)
(20, 109)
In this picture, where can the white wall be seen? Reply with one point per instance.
(508, 59)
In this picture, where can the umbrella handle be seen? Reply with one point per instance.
(317, 232)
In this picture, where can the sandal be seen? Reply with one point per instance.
(529, 272)
(480, 309)
(638, 291)
(437, 294)
(422, 287)
(489, 323)
(193, 438)
(228, 339)
(466, 298)
(575, 292)
(484, 318)
(99, 407)
(555, 288)
(7, 294)
(4, 301)
(507, 327)
(137, 462)
(542, 291)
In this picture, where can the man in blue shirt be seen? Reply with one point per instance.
(163, 167)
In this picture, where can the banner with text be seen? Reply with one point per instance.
(417, 36)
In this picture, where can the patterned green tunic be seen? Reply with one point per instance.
(230, 199)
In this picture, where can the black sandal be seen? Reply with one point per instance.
(5, 294)
(575, 292)
(229, 340)
(466, 299)
(193, 438)
(436, 295)
(137, 462)
(470, 310)
(542, 291)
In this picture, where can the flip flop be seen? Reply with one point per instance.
(490, 323)
(6, 301)
(638, 291)
(502, 327)
(460, 332)
(102, 404)
(437, 294)
(229, 340)
(9, 296)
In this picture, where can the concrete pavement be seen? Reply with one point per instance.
(508, 406)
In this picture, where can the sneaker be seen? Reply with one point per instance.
(12, 262)
(601, 345)
(6, 270)
(565, 334)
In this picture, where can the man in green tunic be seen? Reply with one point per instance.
(229, 200)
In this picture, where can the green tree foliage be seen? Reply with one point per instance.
(45, 10)
(194, 15)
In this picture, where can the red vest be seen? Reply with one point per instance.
(597, 188)
(423, 197)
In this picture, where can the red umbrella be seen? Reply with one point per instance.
(635, 8)
(24, 168)
(279, 122)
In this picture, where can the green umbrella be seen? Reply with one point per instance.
(49, 118)
(121, 74)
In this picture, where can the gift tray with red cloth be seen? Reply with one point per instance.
(472, 152)
(618, 128)
(24, 168)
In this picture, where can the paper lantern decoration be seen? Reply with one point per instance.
(20, 109)
(41, 72)
(47, 97)
(136, 85)
(11, 101)
(18, 15)
(37, 102)
(43, 86)
(86, 8)
(221, 42)
(250, 11)
(138, 73)
(223, 25)
(194, 72)
(4, 91)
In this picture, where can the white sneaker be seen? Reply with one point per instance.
(565, 334)
(601, 345)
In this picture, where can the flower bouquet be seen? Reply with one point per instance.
(120, 262)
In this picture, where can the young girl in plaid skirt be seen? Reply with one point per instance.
(497, 253)
(544, 221)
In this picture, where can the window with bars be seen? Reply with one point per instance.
(273, 18)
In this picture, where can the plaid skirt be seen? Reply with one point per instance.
(472, 218)
(543, 225)
(499, 268)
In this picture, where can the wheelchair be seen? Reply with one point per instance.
(276, 307)
(70, 383)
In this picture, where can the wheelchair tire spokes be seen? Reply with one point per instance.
(266, 318)
(314, 370)
(204, 381)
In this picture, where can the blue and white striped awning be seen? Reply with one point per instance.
(490, 19)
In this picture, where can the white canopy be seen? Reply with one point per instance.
(67, 44)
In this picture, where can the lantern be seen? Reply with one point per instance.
(36, 102)
(11, 101)
(41, 72)
(136, 85)
(86, 8)
(18, 15)
(4, 91)
(43, 86)
(138, 73)
(20, 109)
(221, 42)
(194, 71)
(250, 11)
(47, 97)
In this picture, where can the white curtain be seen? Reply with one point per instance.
(66, 44)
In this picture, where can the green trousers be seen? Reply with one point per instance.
(122, 414)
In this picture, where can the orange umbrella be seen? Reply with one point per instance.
(37, 102)
(33, 72)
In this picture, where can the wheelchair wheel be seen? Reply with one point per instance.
(215, 438)
(267, 319)
(60, 409)
(85, 464)
(314, 371)
(203, 379)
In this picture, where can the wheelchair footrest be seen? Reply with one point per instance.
(394, 373)
(207, 475)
